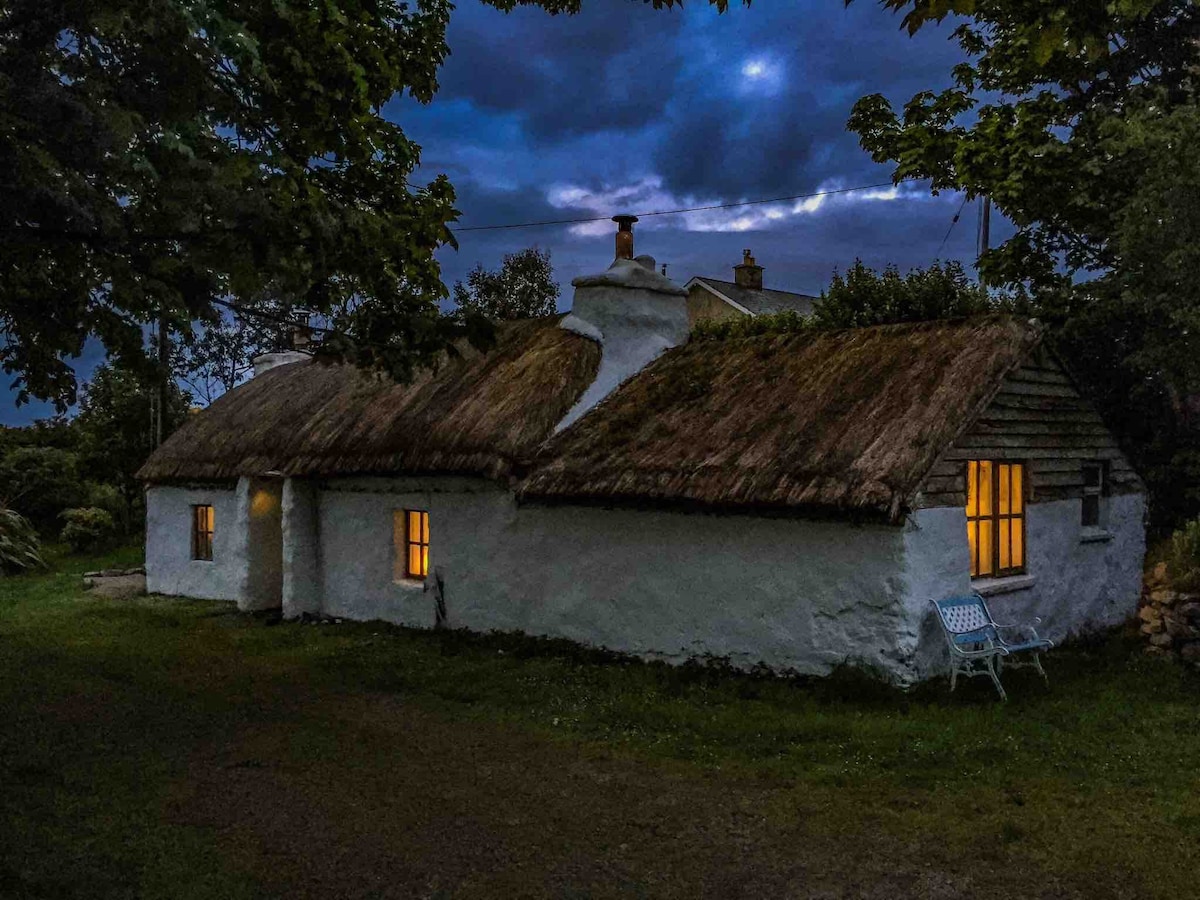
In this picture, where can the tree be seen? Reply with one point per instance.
(1079, 121)
(39, 483)
(157, 155)
(219, 355)
(114, 427)
(862, 297)
(523, 288)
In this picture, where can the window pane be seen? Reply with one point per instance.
(1091, 476)
(972, 488)
(414, 559)
(414, 525)
(1091, 510)
(985, 488)
(424, 560)
(1005, 543)
(1018, 488)
(425, 527)
(973, 543)
(1005, 472)
(986, 566)
(1018, 544)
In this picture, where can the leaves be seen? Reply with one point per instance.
(523, 288)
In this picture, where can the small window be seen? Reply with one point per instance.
(202, 532)
(996, 517)
(1095, 488)
(410, 535)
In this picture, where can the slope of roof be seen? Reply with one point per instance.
(845, 421)
(474, 415)
(761, 302)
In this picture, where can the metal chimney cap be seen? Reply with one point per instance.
(625, 221)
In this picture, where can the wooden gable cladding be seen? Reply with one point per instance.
(1038, 417)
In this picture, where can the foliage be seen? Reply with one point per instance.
(787, 321)
(40, 482)
(112, 501)
(1080, 122)
(524, 288)
(114, 425)
(20, 549)
(162, 155)
(1183, 560)
(863, 297)
(88, 529)
(219, 355)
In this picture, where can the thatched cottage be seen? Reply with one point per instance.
(793, 500)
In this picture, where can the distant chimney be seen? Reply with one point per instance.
(748, 274)
(301, 337)
(624, 235)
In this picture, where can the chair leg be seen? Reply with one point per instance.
(1037, 664)
(953, 675)
(996, 678)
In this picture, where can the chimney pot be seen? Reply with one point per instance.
(624, 235)
(749, 273)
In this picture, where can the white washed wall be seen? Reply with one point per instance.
(1077, 584)
(794, 594)
(170, 568)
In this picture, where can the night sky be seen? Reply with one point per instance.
(627, 109)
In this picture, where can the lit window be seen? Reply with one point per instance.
(410, 534)
(1095, 487)
(996, 517)
(202, 532)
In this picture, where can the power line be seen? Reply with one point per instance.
(953, 222)
(672, 212)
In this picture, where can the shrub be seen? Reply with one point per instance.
(88, 529)
(19, 546)
(109, 499)
(40, 482)
(1183, 562)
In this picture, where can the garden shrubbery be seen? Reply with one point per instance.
(19, 546)
(1183, 561)
(88, 529)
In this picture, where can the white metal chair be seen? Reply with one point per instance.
(976, 646)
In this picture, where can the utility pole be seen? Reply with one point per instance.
(985, 225)
(163, 375)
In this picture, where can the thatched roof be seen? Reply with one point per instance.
(847, 421)
(475, 415)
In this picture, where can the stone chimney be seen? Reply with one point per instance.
(632, 311)
(748, 274)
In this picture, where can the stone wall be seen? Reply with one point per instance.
(1170, 619)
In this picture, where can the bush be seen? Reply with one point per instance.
(109, 499)
(1183, 561)
(40, 482)
(88, 529)
(19, 546)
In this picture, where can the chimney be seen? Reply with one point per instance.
(632, 311)
(748, 275)
(301, 337)
(624, 235)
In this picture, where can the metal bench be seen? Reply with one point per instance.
(976, 644)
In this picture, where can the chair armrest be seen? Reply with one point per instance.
(1037, 620)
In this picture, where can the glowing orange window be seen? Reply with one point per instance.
(996, 517)
(412, 543)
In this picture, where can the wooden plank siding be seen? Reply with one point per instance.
(1039, 418)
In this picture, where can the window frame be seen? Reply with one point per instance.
(203, 538)
(995, 518)
(1099, 491)
(421, 542)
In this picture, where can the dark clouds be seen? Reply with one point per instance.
(547, 117)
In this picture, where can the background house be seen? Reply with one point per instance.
(793, 500)
(711, 298)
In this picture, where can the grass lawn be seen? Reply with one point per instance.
(176, 749)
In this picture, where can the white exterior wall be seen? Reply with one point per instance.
(301, 549)
(170, 568)
(794, 594)
(1077, 580)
